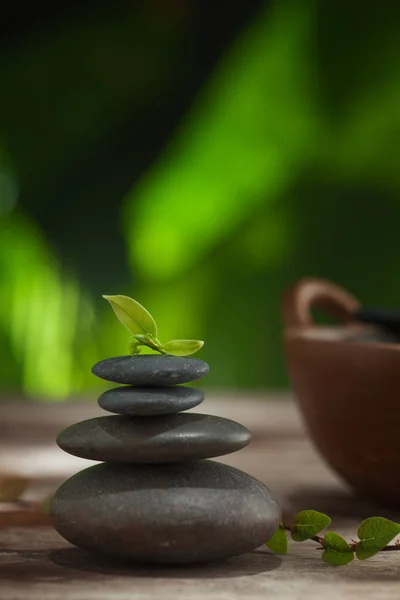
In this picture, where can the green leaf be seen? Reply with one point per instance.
(132, 315)
(182, 347)
(308, 523)
(337, 551)
(375, 533)
(12, 487)
(278, 542)
(45, 506)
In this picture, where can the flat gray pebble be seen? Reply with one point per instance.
(189, 513)
(150, 401)
(151, 369)
(170, 438)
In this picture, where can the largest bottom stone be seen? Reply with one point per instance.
(185, 513)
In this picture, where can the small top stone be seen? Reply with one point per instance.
(151, 369)
(150, 401)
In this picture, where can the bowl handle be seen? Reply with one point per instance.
(323, 295)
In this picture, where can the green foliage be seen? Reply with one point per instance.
(375, 533)
(308, 523)
(278, 542)
(182, 347)
(250, 146)
(133, 315)
(143, 327)
(337, 551)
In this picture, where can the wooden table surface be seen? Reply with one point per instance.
(36, 563)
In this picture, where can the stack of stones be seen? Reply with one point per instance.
(155, 499)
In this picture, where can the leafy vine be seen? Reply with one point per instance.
(374, 536)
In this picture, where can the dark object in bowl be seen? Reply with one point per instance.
(347, 381)
(387, 320)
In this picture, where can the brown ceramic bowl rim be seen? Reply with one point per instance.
(335, 335)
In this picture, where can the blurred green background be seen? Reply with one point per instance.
(199, 157)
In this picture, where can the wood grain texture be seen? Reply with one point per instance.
(36, 563)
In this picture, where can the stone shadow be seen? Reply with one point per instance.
(81, 564)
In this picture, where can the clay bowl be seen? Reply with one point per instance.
(347, 382)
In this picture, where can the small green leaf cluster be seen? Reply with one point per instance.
(143, 328)
(374, 535)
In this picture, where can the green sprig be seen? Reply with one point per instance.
(374, 534)
(143, 328)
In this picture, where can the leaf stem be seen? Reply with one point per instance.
(149, 341)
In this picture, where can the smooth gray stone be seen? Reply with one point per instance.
(150, 401)
(189, 513)
(151, 369)
(169, 438)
